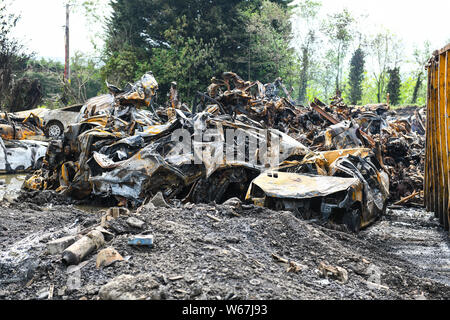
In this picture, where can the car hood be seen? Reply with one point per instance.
(300, 186)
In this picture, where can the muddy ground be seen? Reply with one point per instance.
(226, 255)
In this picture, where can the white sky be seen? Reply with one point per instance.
(42, 28)
(414, 21)
(42, 23)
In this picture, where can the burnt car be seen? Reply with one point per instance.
(21, 155)
(54, 122)
(346, 187)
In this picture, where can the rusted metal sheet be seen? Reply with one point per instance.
(437, 162)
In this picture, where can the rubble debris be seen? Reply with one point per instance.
(213, 217)
(408, 198)
(115, 212)
(80, 249)
(128, 153)
(190, 246)
(333, 271)
(128, 287)
(234, 203)
(135, 223)
(292, 265)
(351, 188)
(107, 257)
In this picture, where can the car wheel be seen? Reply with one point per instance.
(54, 129)
(353, 220)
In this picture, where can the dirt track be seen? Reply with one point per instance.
(406, 255)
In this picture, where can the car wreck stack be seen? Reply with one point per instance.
(240, 139)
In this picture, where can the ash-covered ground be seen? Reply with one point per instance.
(223, 252)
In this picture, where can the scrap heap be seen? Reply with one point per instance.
(120, 150)
(126, 154)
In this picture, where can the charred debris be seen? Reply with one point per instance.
(335, 163)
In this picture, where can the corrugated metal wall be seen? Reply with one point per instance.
(437, 162)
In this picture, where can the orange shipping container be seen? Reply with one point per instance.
(437, 162)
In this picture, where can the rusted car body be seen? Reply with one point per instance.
(21, 143)
(21, 155)
(14, 127)
(347, 187)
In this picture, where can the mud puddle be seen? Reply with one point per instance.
(10, 185)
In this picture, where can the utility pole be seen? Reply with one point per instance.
(67, 61)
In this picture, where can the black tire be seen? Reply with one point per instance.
(279, 205)
(54, 129)
(352, 220)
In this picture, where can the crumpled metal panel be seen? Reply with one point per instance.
(301, 186)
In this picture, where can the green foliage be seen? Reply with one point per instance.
(408, 88)
(306, 41)
(190, 66)
(269, 54)
(49, 73)
(124, 65)
(356, 76)
(339, 30)
(369, 89)
(191, 41)
(85, 80)
(13, 60)
(190, 46)
(393, 87)
(421, 56)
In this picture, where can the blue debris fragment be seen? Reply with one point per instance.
(141, 240)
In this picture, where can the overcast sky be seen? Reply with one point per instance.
(414, 21)
(42, 28)
(42, 23)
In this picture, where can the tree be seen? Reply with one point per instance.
(356, 76)
(85, 80)
(420, 58)
(339, 29)
(16, 93)
(191, 41)
(269, 54)
(393, 87)
(386, 52)
(306, 39)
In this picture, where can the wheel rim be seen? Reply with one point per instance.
(54, 130)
